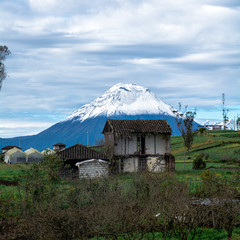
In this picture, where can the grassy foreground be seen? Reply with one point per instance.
(33, 198)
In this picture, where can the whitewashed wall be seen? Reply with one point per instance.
(125, 146)
(158, 144)
(150, 145)
(162, 144)
(130, 164)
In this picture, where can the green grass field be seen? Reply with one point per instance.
(219, 145)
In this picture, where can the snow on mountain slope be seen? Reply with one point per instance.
(127, 99)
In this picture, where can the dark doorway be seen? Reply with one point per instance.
(143, 144)
(142, 164)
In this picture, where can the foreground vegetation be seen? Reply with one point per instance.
(35, 203)
(137, 206)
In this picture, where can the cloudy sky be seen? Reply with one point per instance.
(67, 53)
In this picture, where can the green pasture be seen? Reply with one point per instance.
(13, 172)
(220, 146)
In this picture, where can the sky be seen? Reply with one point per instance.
(64, 54)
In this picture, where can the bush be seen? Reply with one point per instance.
(202, 130)
(199, 163)
(237, 151)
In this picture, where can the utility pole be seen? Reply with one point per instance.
(238, 122)
(224, 112)
(234, 123)
(87, 139)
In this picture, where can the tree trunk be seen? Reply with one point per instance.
(184, 157)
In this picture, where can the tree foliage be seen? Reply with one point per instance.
(202, 130)
(199, 163)
(4, 52)
(238, 123)
(185, 125)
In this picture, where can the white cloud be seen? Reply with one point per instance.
(150, 21)
(18, 123)
(143, 61)
(17, 127)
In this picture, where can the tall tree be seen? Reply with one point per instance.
(184, 122)
(4, 52)
(238, 122)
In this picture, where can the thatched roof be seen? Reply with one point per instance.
(126, 127)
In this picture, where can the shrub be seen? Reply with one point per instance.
(199, 163)
(202, 130)
(51, 165)
(237, 151)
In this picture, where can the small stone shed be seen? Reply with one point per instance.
(93, 168)
(15, 155)
(138, 145)
(78, 153)
(33, 155)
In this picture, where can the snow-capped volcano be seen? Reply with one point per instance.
(122, 99)
(85, 125)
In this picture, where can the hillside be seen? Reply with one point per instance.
(222, 148)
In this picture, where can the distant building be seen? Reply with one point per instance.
(213, 127)
(79, 153)
(137, 145)
(59, 146)
(93, 168)
(5, 149)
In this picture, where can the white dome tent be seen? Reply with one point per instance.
(33, 155)
(15, 155)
